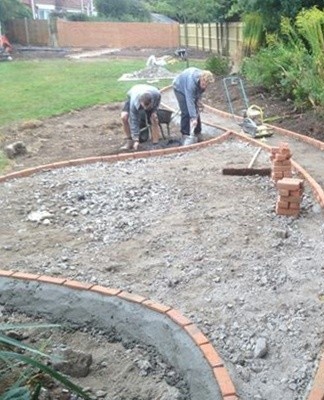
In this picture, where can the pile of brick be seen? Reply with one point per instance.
(281, 163)
(290, 191)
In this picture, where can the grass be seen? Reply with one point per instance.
(40, 89)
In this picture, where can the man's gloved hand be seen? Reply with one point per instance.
(200, 106)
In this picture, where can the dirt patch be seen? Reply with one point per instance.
(97, 131)
(99, 362)
(176, 230)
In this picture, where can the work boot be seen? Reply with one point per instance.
(128, 145)
(200, 137)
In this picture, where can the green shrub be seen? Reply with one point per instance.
(77, 17)
(217, 65)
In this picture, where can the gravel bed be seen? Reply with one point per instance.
(176, 230)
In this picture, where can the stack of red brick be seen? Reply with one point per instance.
(290, 191)
(281, 163)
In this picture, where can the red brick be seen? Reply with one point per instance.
(142, 154)
(294, 206)
(125, 156)
(104, 290)
(211, 355)
(283, 192)
(178, 318)
(290, 183)
(51, 279)
(25, 275)
(161, 308)
(291, 199)
(317, 391)
(77, 285)
(274, 150)
(277, 175)
(158, 152)
(289, 212)
(296, 193)
(287, 174)
(282, 204)
(6, 273)
(196, 334)
(112, 158)
(281, 168)
(131, 297)
(224, 381)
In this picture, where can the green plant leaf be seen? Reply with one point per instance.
(13, 342)
(48, 370)
(21, 393)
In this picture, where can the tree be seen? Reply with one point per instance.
(272, 11)
(10, 9)
(123, 10)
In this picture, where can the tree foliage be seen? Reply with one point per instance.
(272, 11)
(10, 9)
(123, 10)
(190, 10)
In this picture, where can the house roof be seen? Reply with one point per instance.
(76, 4)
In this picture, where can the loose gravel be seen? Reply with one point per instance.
(176, 230)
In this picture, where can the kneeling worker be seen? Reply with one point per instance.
(140, 97)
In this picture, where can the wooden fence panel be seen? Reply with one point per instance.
(30, 32)
(222, 39)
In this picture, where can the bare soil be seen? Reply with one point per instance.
(180, 232)
(97, 131)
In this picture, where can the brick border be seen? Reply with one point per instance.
(221, 375)
(215, 362)
(317, 390)
(113, 158)
(316, 188)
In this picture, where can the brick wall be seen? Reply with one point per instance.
(117, 34)
(93, 34)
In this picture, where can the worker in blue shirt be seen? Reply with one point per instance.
(140, 97)
(188, 88)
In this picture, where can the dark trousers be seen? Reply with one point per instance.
(185, 117)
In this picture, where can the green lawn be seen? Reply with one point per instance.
(39, 89)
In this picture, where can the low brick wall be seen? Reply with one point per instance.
(61, 33)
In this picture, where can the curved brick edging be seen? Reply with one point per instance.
(113, 158)
(317, 390)
(316, 188)
(314, 142)
(220, 373)
(207, 377)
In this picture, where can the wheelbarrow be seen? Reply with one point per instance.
(164, 117)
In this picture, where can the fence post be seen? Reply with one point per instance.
(52, 31)
(186, 35)
(203, 36)
(26, 31)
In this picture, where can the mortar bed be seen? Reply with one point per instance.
(133, 318)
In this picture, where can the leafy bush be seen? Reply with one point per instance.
(292, 64)
(217, 65)
(77, 17)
